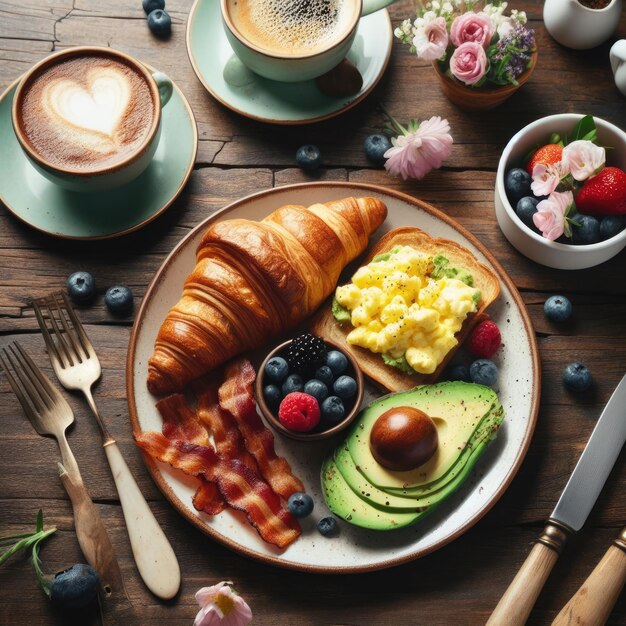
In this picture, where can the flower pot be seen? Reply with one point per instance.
(480, 98)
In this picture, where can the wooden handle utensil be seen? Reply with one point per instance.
(592, 604)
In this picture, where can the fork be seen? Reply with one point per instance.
(77, 367)
(50, 415)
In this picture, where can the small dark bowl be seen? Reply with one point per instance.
(315, 434)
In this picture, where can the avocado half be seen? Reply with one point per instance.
(361, 491)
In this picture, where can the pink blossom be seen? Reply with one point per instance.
(550, 216)
(431, 40)
(472, 27)
(546, 178)
(469, 62)
(415, 153)
(583, 158)
(221, 606)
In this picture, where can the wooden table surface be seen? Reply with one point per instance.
(459, 584)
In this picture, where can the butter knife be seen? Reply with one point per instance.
(592, 604)
(571, 512)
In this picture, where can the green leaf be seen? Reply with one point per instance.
(40, 520)
(584, 126)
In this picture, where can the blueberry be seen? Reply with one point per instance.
(317, 389)
(484, 372)
(525, 208)
(272, 396)
(119, 300)
(328, 526)
(151, 5)
(300, 504)
(345, 387)
(577, 377)
(276, 369)
(308, 157)
(517, 184)
(459, 372)
(292, 383)
(375, 147)
(337, 361)
(586, 230)
(332, 410)
(76, 587)
(612, 225)
(325, 374)
(159, 22)
(557, 308)
(81, 287)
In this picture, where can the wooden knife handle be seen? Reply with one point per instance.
(592, 604)
(518, 600)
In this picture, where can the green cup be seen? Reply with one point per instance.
(116, 172)
(282, 65)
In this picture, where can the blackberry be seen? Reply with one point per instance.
(306, 353)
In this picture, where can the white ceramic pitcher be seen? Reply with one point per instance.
(617, 55)
(576, 26)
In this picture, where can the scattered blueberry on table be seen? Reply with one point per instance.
(76, 587)
(81, 287)
(557, 308)
(375, 147)
(160, 23)
(577, 377)
(119, 300)
(308, 157)
(152, 5)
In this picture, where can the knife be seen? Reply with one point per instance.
(592, 604)
(572, 509)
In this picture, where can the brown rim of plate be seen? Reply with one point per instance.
(318, 435)
(156, 214)
(227, 20)
(70, 53)
(274, 560)
(311, 120)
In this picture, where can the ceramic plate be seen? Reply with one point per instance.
(77, 215)
(355, 549)
(271, 101)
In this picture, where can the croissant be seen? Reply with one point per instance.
(254, 280)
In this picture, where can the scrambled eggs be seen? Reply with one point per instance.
(399, 310)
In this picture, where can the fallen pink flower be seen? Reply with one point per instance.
(221, 606)
(550, 216)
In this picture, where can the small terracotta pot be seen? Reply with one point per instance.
(481, 98)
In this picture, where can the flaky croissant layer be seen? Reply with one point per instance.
(254, 280)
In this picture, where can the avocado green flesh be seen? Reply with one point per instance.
(406, 499)
(460, 407)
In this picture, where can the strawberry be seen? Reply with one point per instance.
(549, 154)
(604, 194)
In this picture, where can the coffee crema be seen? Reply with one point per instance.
(86, 113)
(293, 27)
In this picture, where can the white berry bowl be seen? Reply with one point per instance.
(531, 244)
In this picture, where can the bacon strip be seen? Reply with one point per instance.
(236, 397)
(181, 423)
(226, 435)
(240, 487)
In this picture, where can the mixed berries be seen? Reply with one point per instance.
(566, 192)
(308, 386)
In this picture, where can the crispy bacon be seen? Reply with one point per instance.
(226, 436)
(239, 486)
(236, 397)
(181, 423)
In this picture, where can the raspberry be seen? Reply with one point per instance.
(299, 412)
(484, 340)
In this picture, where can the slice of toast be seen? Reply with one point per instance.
(372, 364)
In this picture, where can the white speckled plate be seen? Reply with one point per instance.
(355, 549)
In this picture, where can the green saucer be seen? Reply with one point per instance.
(244, 92)
(79, 215)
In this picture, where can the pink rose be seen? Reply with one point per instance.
(474, 27)
(469, 62)
(431, 41)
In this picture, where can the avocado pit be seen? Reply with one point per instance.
(403, 438)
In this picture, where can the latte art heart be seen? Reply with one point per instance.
(99, 108)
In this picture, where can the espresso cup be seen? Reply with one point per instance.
(288, 42)
(89, 118)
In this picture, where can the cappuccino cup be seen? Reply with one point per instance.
(293, 40)
(89, 118)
